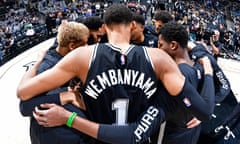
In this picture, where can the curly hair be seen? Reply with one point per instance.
(93, 22)
(173, 31)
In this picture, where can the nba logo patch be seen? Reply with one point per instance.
(187, 102)
(123, 59)
(199, 74)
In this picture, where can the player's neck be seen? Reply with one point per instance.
(140, 40)
(62, 50)
(119, 40)
(118, 34)
(183, 57)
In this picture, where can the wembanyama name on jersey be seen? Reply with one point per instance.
(114, 77)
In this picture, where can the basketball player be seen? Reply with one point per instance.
(139, 36)
(70, 35)
(173, 39)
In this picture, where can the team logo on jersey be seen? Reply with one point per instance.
(187, 102)
(146, 123)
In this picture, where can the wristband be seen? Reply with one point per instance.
(70, 119)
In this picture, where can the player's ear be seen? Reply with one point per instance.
(103, 27)
(142, 27)
(174, 45)
(71, 46)
(133, 25)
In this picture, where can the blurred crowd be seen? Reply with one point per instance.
(25, 24)
(208, 21)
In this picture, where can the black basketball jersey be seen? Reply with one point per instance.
(176, 130)
(118, 88)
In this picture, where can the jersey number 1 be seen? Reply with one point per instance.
(121, 107)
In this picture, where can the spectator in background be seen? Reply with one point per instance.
(9, 44)
(228, 42)
(73, 15)
(215, 44)
(212, 43)
(50, 23)
(30, 32)
(236, 39)
(222, 30)
(59, 18)
(1, 54)
(89, 12)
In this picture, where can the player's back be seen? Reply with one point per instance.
(118, 87)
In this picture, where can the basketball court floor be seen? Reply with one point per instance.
(15, 128)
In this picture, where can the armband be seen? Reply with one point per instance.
(70, 119)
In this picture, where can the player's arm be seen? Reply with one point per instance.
(214, 48)
(69, 67)
(63, 98)
(32, 85)
(221, 82)
(208, 87)
(27, 107)
(131, 133)
(183, 91)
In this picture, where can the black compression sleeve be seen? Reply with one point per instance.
(133, 133)
(208, 93)
(201, 106)
(116, 134)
